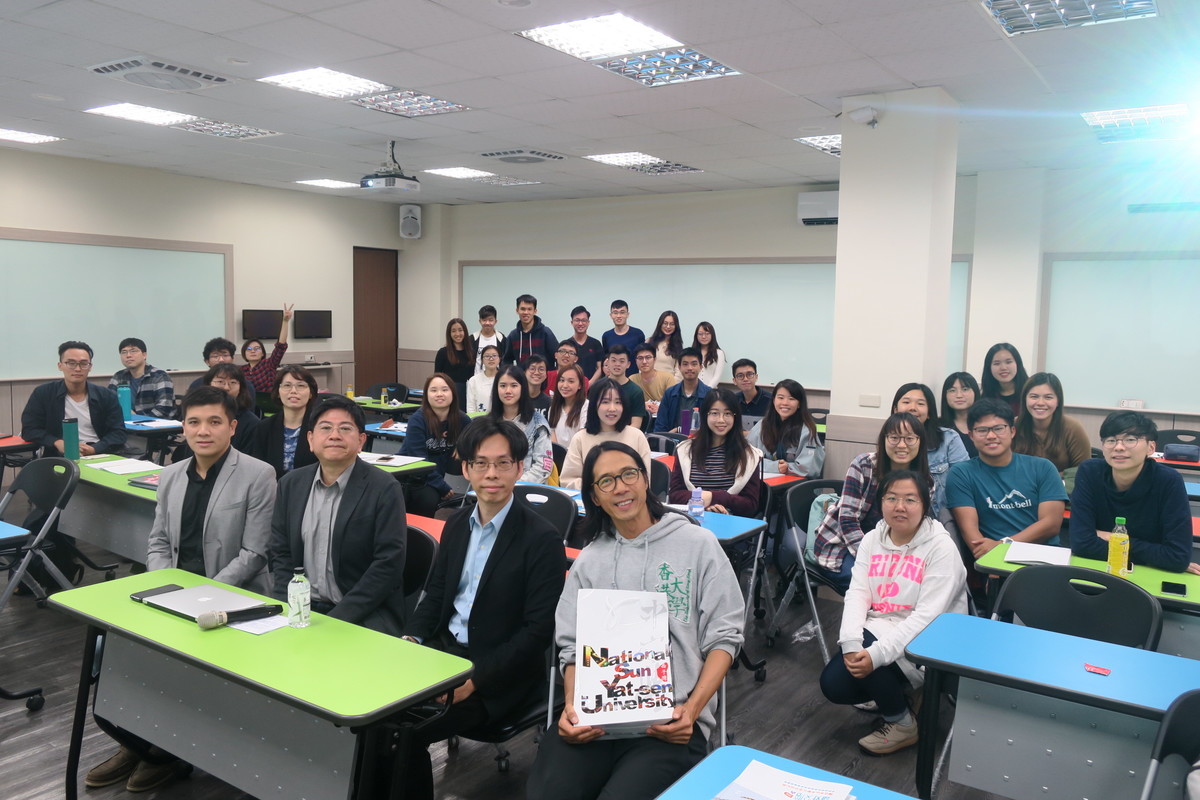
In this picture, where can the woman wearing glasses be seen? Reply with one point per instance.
(281, 439)
(718, 461)
(608, 420)
(260, 368)
(787, 435)
(712, 357)
(231, 378)
(666, 341)
(909, 559)
(432, 432)
(641, 545)
(479, 387)
(1043, 430)
(944, 445)
(511, 402)
(960, 390)
(1128, 483)
(901, 445)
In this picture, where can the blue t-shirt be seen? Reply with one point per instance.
(1006, 498)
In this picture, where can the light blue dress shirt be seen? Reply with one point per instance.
(479, 549)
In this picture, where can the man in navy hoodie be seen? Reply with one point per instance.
(530, 336)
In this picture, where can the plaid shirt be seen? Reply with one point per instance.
(155, 395)
(842, 529)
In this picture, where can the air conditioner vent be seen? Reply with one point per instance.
(158, 74)
(522, 156)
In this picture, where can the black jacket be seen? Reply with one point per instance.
(41, 421)
(268, 445)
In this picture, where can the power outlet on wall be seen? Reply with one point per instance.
(310, 359)
(1133, 404)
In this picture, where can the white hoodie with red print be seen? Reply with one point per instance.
(895, 591)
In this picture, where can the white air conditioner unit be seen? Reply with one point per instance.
(1159, 192)
(817, 208)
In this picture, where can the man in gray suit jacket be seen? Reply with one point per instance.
(213, 518)
(342, 519)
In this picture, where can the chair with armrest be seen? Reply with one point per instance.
(661, 443)
(1179, 734)
(556, 507)
(419, 551)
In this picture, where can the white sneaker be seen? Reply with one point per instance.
(870, 706)
(888, 738)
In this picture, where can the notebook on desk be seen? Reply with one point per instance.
(1030, 553)
(146, 482)
(192, 602)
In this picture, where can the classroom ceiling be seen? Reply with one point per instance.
(1020, 97)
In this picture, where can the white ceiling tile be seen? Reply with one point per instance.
(918, 29)
(696, 22)
(210, 16)
(829, 11)
(410, 25)
(682, 120)
(846, 78)
(485, 93)
(322, 44)
(783, 50)
(406, 70)
(532, 16)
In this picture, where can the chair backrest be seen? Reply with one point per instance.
(661, 443)
(420, 549)
(560, 454)
(395, 391)
(660, 479)
(1177, 436)
(800, 496)
(820, 416)
(1082, 602)
(48, 483)
(764, 501)
(1179, 733)
(557, 508)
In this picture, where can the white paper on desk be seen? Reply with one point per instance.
(1030, 553)
(761, 782)
(400, 428)
(158, 423)
(127, 466)
(388, 459)
(262, 625)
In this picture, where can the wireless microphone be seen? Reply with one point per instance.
(208, 620)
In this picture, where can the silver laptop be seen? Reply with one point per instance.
(192, 602)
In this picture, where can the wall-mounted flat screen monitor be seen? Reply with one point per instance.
(261, 323)
(313, 325)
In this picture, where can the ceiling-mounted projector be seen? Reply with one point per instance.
(390, 177)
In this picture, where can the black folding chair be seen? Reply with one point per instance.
(1179, 734)
(419, 551)
(660, 479)
(560, 455)
(661, 443)
(556, 507)
(395, 391)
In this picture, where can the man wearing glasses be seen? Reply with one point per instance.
(1128, 483)
(152, 390)
(753, 401)
(1002, 496)
(342, 519)
(101, 426)
(491, 596)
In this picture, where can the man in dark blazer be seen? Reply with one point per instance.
(342, 519)
(491, 595)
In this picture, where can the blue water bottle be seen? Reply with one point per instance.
(125, 398)
(70, 437)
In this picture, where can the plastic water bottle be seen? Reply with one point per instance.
(125, 398)
(696, 505)
(694, 425)
(1118, 550)
(70, 438)
(350, 390)
(299, 599)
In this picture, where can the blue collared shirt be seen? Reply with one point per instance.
(479, 549)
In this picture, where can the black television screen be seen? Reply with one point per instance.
(261, 323)
(313, 325)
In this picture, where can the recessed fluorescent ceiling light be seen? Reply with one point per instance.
(826, 144)
(630, 49)
(1027, 16)
(226, 130)
(479, 176)
(1131, 124)
(146, 114)
(408, 103)
(327, 83)
(326, 183)
(641, 162)
(26, 138)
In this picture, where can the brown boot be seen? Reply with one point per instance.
(114, 770)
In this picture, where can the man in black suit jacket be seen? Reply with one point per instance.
(491, 596)
(343, 520)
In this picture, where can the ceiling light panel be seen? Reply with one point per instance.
(1027, 16)
(668, 66)
(146, 114)
(641, 162)
(26, 138)
(826, 144)
(328, 83)
(479, 176)
(326, 183)
(600, 37)
(1134, 124)
(226, 130)
(408, 103)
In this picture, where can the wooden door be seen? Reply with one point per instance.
(375, 317)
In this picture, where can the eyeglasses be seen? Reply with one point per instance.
(130, 351)
(745, 376)
(629, 476)
(982, 432)
(253, 349)
(897, 500)
(645, 357)
(720, 415)
(345, 429)
(77, 364)
(287, 387)
(490, 356)
(564, 352)
(1124, 441)
(895, 438)
(481, 464)
(536, 368)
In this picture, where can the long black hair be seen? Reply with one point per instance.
(737, 451)
(989, 384)
(674, 341)
(524, 404)
(709, 357)
(933, 431)
(597, 522)
(947, 417)
(595, 395)
(778, 431)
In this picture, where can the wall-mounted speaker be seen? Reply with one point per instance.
(410, 222)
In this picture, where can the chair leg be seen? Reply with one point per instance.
(502, 763)
(816, 615)
(1151, 774)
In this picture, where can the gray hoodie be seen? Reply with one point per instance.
(683, 561)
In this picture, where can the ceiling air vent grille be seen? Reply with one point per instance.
(523, 156)
(158, 74)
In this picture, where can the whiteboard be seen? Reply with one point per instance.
(1125, 329)
(778, 314)
(101, 294)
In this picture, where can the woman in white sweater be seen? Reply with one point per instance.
(907, 572)
(479, 386)
(607, 421)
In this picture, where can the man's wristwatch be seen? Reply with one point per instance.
(1006, 540)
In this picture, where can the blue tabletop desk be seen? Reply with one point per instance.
(1031, 721)
(153, 433)
(724, 764)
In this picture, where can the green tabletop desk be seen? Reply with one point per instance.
(1181, 615)
(293, 713)
(397, 411)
